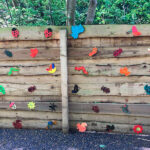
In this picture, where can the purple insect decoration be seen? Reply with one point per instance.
(117, 52)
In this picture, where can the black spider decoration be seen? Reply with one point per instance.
(76, 89)
(52, 107)
(105, 89)
(109, 128)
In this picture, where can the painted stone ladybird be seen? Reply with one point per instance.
(15, 32)
(48, 32)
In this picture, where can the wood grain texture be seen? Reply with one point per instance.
(105, 118)
(92, 126)
(29, 67)
(24, 54)
(39, 98)
(19, 44)
(90, 31)
(110, 99)
(22, 89)
(108, 42)
(107, 52)
(111, 67)
(85, 108)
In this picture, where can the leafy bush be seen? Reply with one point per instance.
(53, 12)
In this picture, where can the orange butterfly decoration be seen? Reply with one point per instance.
(81, 127)
(124, 71)
(94, 51)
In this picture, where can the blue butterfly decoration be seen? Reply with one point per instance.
(147, 89)
(76, 30)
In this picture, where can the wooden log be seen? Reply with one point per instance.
(39, 98)
(116, 89)
(111, 68)
(29, 44)
(39, 115)
(92, 126)
(108, 42)
(29, 33)
(29, 67)
(64, 80)
(105, 118)
(104, 108)
(37, 33)
(29, 124)
(110, 99)
(107, 52)
(22, 89)
(24, 54)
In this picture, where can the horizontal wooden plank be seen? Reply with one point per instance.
(107, 52)
(111, 67)
(105, 108)
(29, 67)
(91, 126)
(108, 42)
(45, 98)
(41, 79)
(30, 115)
(24, 54)
(105, 118)
(29, 33)
(55, 43)
(37, 33)
(118, 89)
(113, 30)
(29, 124)
(109, 118)
(110, 99)
(22, 89)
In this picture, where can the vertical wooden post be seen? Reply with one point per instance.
(64, 80)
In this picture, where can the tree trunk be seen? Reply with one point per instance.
(91, 12)
(71, 4)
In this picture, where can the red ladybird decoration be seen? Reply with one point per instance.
(48, 32)
(15, 32)
(17, 124)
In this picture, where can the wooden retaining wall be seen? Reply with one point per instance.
(104, 70)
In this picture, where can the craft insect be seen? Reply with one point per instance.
(105, 89)
(82, 127)
(125, 109)
(76, 30)
(76, 89)
(81, 68)
(32, 88)
(48, 32)
(50, 123)
(95, 109)
(135, 32)
(11, 70)
(34, 52)
(110, 128)
(117, 52)
(94, 51)
(17, 124)
(2, 90)
(52, 107)
(52, 68)
(12, 105)
(147, 89)
(8, 53)
(15, 32)
(124, 71)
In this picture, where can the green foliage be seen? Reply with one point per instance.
(53, 12)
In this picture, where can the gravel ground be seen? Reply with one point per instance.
(22, 139)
